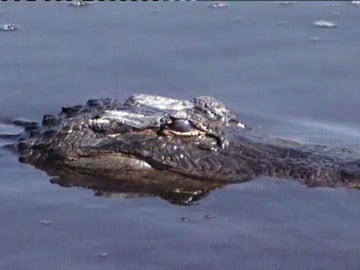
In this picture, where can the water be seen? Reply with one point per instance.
(266, 61)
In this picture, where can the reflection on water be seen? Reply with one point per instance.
(171, 187)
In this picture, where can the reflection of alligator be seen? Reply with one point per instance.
(151, 137)
(169, 186)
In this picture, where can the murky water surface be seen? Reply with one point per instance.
(269, 62)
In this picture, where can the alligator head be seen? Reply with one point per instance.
(162, 140)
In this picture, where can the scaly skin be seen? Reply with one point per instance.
(199, 139)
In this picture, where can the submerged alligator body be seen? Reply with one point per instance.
(153, 138)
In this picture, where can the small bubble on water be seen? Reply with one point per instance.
(8, 27)
(185, 219)
(78, 3)
(324, 24)
(102, 254)
(46, 222)
(218, 5)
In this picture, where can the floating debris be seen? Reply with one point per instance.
(218, 5)
(324, 24)
(333, 5)
(9, 27)
(156, 11)
(209, 216)
(79, 3)
(315, 39)
(285, 3)
(282, 22)
(246, 20)
(355, 2)
(46, 222)
(185, 219)
(102, 254)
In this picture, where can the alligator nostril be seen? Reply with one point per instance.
(49, 120)
(71, 111)
(23, 146)
(94, 103)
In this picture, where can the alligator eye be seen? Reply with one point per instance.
(180, 125)
(212, 115)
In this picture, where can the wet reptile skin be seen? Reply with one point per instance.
(155, 137)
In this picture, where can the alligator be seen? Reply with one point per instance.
(197, 142)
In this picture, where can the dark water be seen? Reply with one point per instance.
(266, 61)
